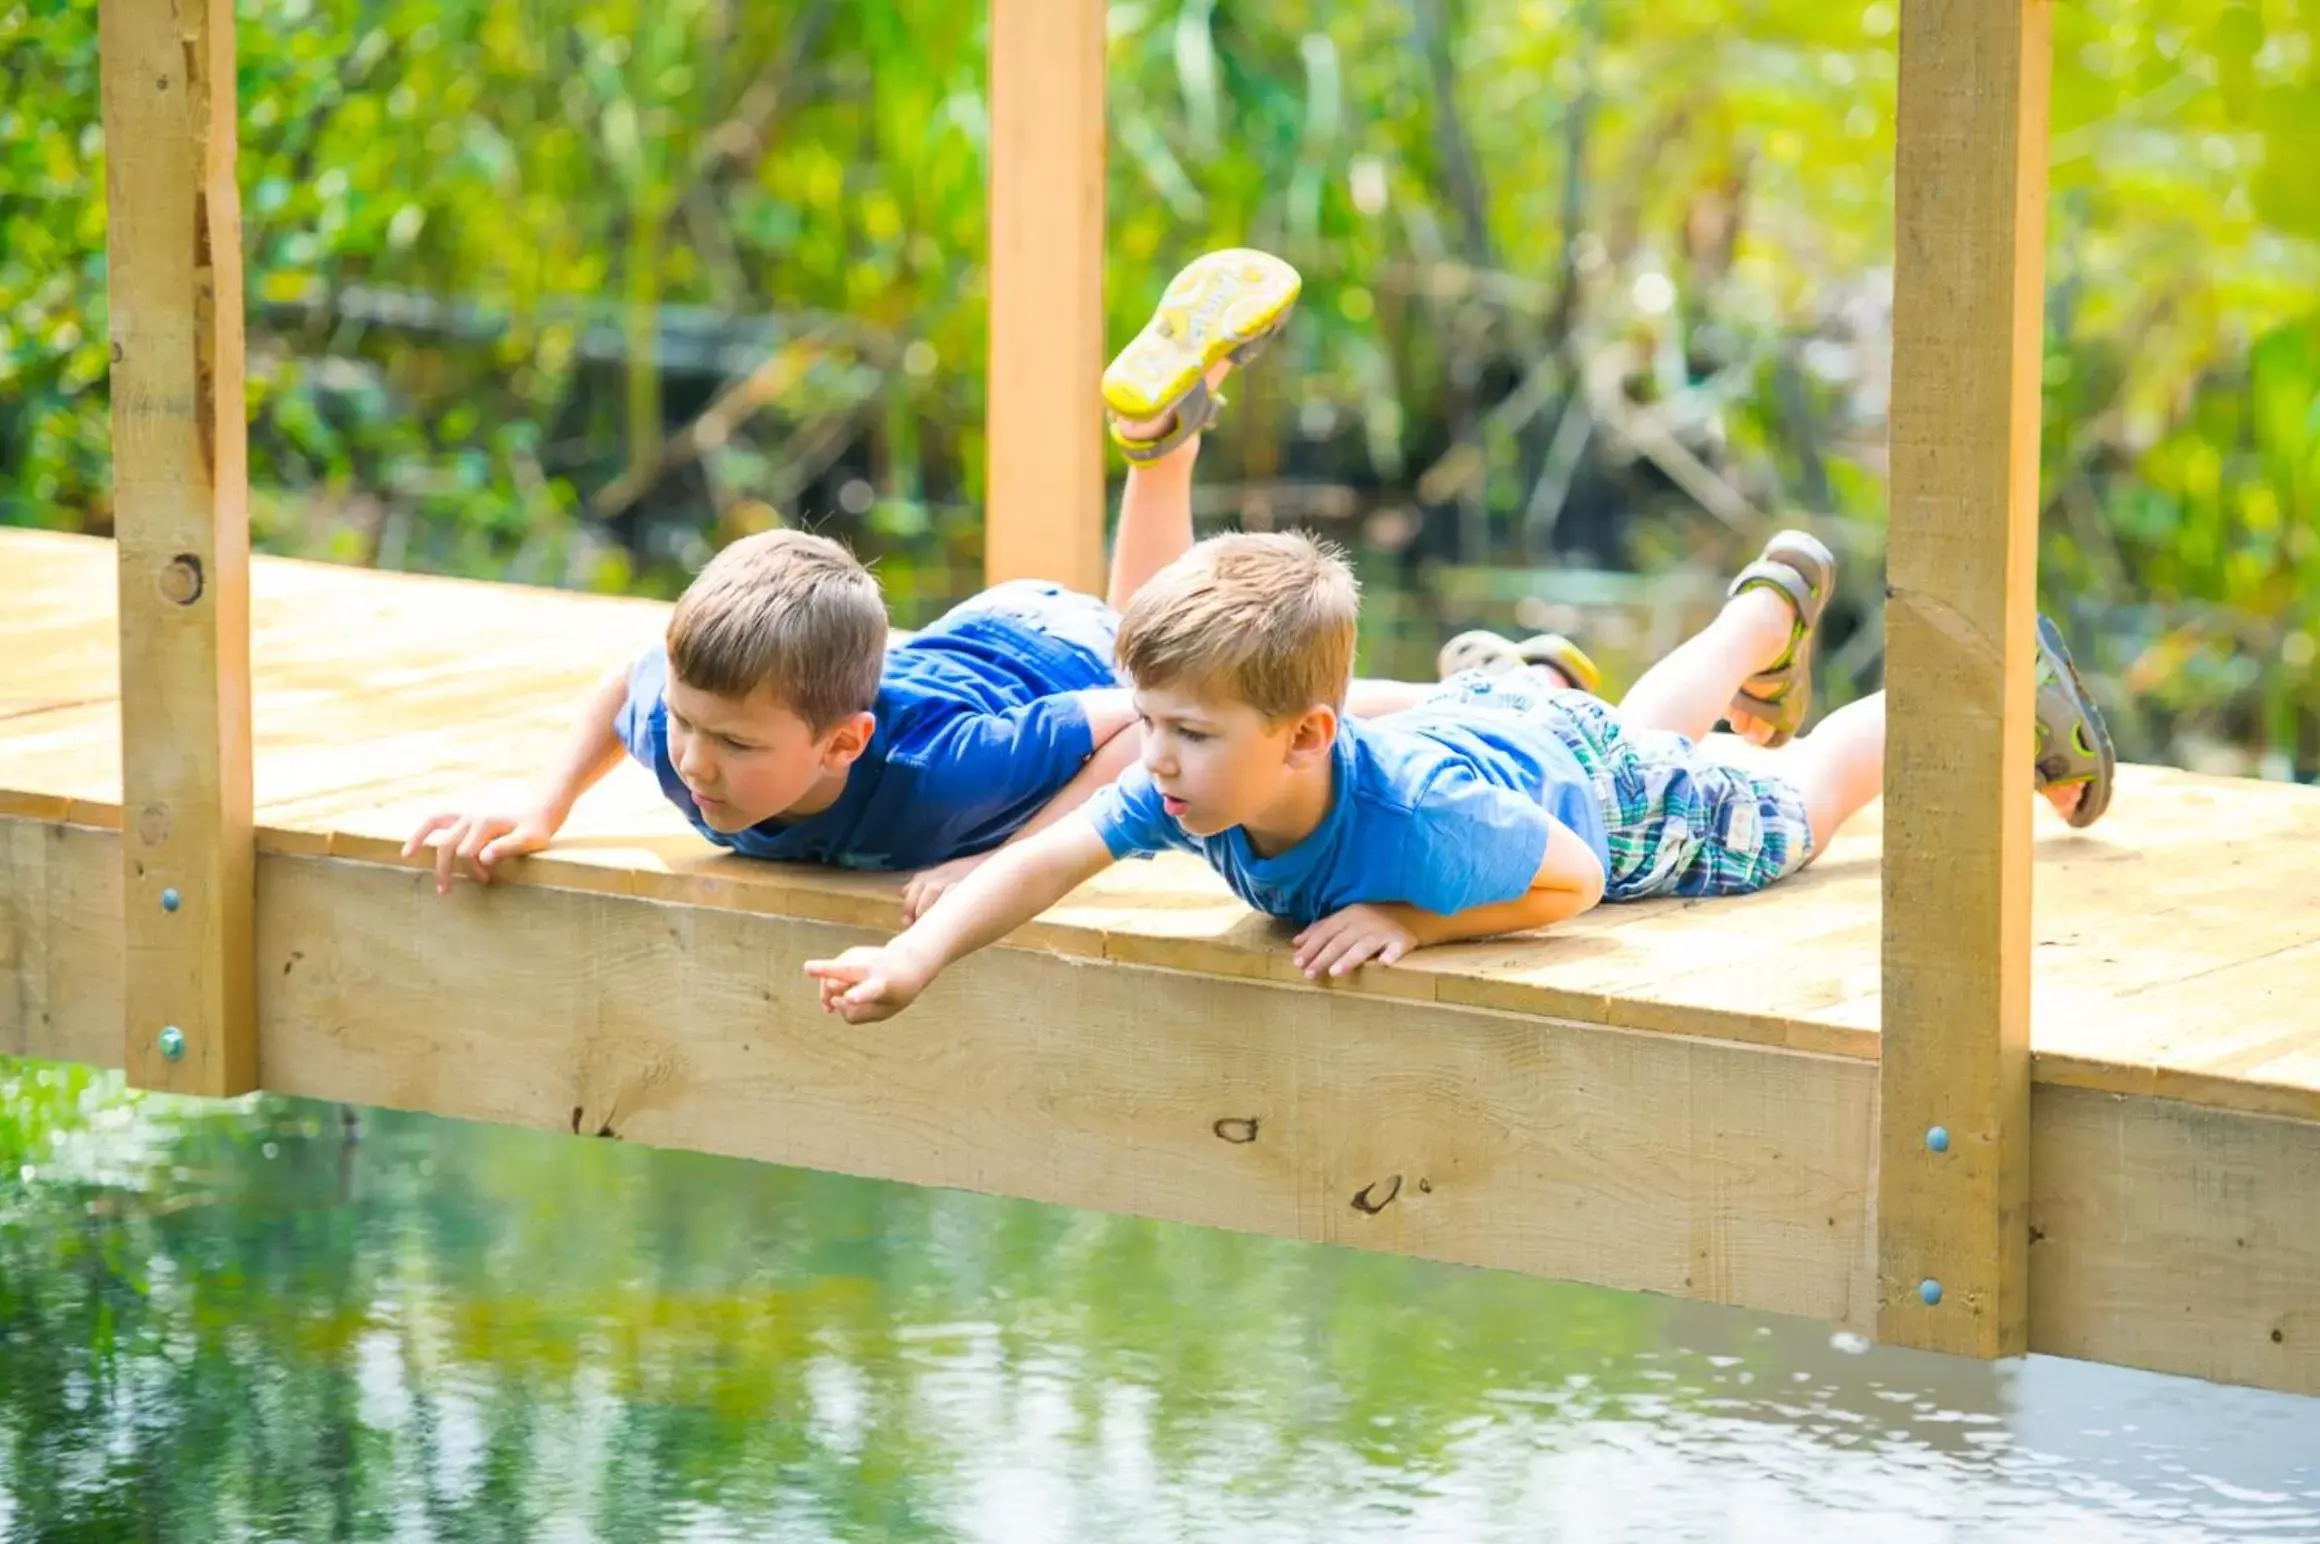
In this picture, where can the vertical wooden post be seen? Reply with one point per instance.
(1044, 504)
(181, 516)
(1969, 270)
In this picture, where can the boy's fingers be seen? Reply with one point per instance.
(427, 828)
(446, 853)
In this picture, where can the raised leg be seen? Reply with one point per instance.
(1694, 685)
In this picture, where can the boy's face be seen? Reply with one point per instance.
(753, 758)
(1220, 763)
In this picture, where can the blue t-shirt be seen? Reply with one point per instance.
(1443, 807)
(976, 731)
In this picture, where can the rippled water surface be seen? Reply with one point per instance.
(267, 1323)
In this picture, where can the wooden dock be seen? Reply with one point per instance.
(1672, 1097)
(1975, 1083)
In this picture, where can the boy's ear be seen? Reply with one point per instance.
(848, 739)
(1314, 734)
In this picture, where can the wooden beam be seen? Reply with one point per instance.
(181, 517)
(1044, 493)
(2177, 1238)
(1969, 234)
(2169, 1236)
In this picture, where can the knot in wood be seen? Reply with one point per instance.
(181, 582)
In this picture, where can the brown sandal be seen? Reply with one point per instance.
(1492, 654)
(1804, 572)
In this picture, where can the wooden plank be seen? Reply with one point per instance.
(181, 510)
(2176, 1238)
(2167, 1236)
(1044, 495)
(1969, 232)
(60, 942)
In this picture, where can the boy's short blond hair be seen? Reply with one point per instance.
(787, 611)
(1263, 619)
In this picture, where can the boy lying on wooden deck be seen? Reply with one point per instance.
(785, 723)
(1503, 801)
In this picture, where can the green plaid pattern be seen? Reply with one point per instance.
(1681, 823)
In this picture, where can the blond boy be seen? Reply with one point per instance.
(1498, 804)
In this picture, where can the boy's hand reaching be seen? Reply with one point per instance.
(481, 839)
(1342, 940)
(928, 886)
(864, 985)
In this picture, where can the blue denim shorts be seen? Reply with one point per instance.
(1064, 614)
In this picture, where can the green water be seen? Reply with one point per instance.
(260, 1323)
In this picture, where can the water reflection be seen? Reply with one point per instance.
(267, 1324)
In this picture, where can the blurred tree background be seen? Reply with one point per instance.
(570, 291)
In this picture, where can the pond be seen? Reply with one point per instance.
(286, 1321)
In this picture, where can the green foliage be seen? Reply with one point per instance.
(501, 253)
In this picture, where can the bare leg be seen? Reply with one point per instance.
(1840, 767)
(1693, 686)
(1155, 509)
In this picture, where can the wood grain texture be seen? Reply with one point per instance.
(1651, 1162)
(1969, 233)
(2175, 1238)
(1044, 505)
(174, 288)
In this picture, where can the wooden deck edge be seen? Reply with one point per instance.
(1684, 1166)
(2175, 1238)
(807, 895)
(2166, 1235)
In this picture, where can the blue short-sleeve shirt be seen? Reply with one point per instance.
(1444, 808)
(977, 729)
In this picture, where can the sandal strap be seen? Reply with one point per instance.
(1195, 413)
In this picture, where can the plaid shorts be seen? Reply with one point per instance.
(1681, 822)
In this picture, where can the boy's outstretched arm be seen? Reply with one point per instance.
(864, 985)
(1569, 882)
(1110, 715)
(484, 836)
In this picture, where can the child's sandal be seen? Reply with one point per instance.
(1491, 654)
(1223, 307)
(1804, 572)
(2074, 744)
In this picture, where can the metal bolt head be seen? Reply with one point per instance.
(172, 1042)
(1937, 1140)
(170, 900)
(1929, 1292)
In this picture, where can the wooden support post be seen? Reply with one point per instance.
(1044, 498)
(1969, 235)
(181, 516)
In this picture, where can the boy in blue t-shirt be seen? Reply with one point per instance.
(1498, 804)
(786, 724)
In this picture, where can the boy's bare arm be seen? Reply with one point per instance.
(484, 836)
(1569, 882)
(864, 985)
(1111, 717)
